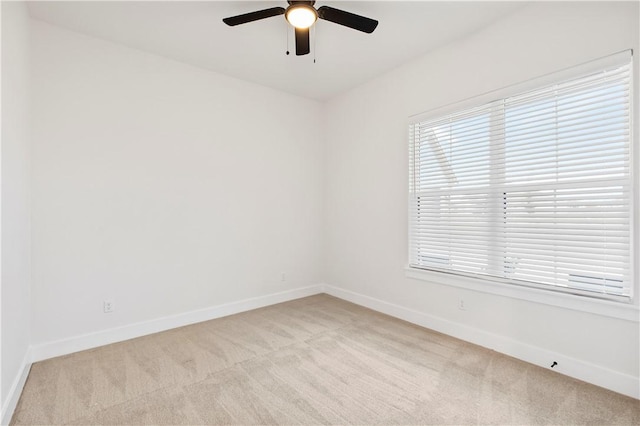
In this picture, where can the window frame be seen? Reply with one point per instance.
(620, 308)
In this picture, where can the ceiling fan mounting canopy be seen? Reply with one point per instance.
(302, 15)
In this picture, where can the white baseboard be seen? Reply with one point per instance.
(578, 369)
(591, 373)
(92, 340)
(11, 400)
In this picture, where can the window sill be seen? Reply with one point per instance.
(606, 308)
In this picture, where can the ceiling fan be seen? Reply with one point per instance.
(302, 15)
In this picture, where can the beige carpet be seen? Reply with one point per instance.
(317, 360)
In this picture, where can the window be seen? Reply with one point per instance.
(532, 189)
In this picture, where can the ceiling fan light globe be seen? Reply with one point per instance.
(301, 16)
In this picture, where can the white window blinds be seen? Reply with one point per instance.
(533, 189)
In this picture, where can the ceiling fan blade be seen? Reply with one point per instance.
(351, 20)
(302, 41)
(253, 16)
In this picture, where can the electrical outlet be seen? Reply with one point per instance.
(461, 305)
(283, 277)
(108, 306)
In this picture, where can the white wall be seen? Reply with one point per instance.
(367, 179)
(15, 181)
(163, 187)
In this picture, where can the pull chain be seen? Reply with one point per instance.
(314, 42)
(287, 30)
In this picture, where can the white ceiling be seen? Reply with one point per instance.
(193, 32)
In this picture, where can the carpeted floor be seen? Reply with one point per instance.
(317, 360)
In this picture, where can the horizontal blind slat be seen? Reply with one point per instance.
(532, 188)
